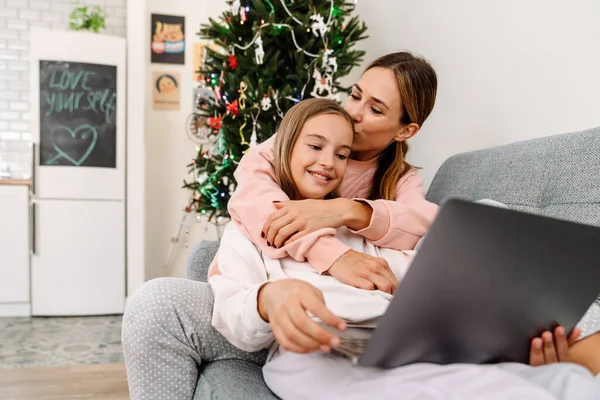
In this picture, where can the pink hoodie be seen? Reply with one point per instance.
(394, 224)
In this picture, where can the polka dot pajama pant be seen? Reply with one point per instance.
(167, 334)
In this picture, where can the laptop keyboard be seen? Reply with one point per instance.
(352, 348)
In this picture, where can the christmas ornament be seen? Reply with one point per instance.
(197, 129)
(276, 98)
(216, 123)
(243, 15)
(318, 26)
(265, 103)
(329, 64)
(235, 6)
(242, 91)
(242, 138)
(233, 62)
(259, 52)
(232, 107)
(323, 87)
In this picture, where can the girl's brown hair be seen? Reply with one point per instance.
(417, 84)
(287, 136)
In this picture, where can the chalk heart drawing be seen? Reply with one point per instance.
(76, 144)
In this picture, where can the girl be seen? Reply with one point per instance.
(253, 306)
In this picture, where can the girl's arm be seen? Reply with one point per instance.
(252, 203)
(243, 273)
(395, 224)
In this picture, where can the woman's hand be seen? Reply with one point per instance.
(295, 219)
(285, 303)
(549, 349)
(364, 272)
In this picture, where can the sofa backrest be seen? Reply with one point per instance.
(556, 176)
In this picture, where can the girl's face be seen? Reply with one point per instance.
(319, 156)
(375, 106)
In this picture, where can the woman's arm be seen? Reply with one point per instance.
(395, 224)
(252, 203)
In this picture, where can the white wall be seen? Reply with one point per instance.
(508, 70)
(168, 150)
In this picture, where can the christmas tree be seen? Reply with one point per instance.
(269, 55)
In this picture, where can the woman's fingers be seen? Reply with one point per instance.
(548, 348)
(275, 215)
(536, 355)
(276, 225)
(286, 232)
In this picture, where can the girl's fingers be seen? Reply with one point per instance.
(284, 341)
(548, 348)
(562, 346)
(310, 328)
(295, 336)
(536, 355)
(574, 336)
(316, 305)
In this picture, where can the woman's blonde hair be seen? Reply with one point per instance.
(287, 136)
(417, 85)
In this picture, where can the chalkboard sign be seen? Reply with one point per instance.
(78, 109)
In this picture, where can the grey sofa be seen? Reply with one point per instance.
(557, 176)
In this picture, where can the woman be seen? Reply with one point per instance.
(167, 330)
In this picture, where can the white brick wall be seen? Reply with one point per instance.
(16, 18)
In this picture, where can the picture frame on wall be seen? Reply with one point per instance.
(167, 36)
(166, 90)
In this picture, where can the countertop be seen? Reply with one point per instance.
(21, 182)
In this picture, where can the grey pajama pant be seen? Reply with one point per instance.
(167, 334)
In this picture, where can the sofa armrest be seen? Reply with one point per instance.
(200, 259)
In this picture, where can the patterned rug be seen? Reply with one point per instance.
(45, 341)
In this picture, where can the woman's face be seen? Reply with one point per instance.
(320, 154)
(375, 106)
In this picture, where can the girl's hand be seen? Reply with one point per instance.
(549, 349)
(295, 219)
(285, 303)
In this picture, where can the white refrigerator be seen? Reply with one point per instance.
(78, 179)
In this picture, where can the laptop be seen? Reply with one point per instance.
(485, 281)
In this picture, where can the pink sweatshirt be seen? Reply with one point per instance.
(394, 224)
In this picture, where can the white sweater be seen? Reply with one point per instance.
(244, 270)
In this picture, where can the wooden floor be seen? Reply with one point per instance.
(103, 381)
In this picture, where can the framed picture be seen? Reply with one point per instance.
(167, 35)
(166, 89)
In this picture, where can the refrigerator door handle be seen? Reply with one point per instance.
(32, 233)
(33, 168)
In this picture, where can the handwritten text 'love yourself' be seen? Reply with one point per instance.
(77, 95)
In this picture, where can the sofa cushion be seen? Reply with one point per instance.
(232, 379)
(557, 176)
(200, 259)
